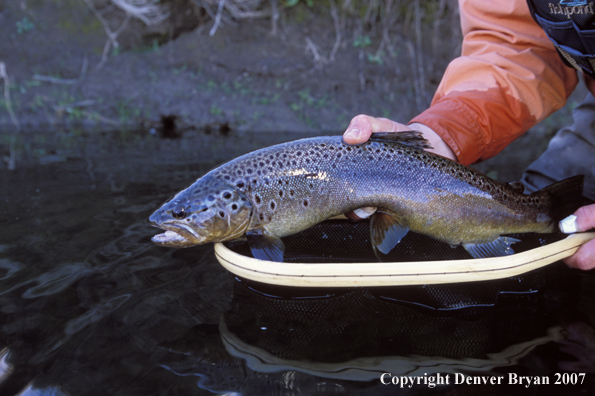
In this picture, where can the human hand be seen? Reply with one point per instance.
(362, 127)
(584, 258)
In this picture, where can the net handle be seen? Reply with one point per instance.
(397, 273)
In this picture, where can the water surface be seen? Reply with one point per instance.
(89, 306)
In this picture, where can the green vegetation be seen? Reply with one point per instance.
(25, 25)
(362, 41)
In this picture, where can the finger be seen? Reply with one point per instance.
(584, 258)
(585, 218)
(362, 126)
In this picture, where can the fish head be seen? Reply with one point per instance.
(202, 213)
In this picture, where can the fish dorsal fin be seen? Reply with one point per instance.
(517, 186)
(497, 248)
(266, 247)
(385, 232)
(408, 138)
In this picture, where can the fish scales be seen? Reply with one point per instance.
(286, 188)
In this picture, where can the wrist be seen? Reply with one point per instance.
(439, 146)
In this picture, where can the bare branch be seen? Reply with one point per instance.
(146, 10)
(11, 159)
(7, 101)
(218, 18)
(337, 22)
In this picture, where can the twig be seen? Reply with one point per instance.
(4, 76)
(337, 22)
(274, 17)
(419, 50)
(80, 103)
(217, 18)
(111, 36)
(54, 80)
(145, 10)
(10, 160)
(311, 47)
(415, 69)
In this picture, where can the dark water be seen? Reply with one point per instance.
(88, 306)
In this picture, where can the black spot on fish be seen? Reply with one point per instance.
(257, 199)
(291, 192)
(240, 184)
(273, 205)
(305, 203)
(221, 214)
(261, 216)
(311, 185)
(234, 207)
(226, 195)
(281, 193)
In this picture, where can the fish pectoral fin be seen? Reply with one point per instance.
(408, 138)
(497, 248)
(386, 232)
(266, 247)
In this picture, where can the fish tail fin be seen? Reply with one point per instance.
(567, 196)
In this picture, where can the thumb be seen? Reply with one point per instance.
(362, 126)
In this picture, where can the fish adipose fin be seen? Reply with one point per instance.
(266, 247)
(385, 232)
(496, 248)
(517, 186)
(408, 138)
(568, 196)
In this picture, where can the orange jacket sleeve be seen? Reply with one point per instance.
(508, 78)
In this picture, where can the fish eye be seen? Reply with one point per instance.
(179, 212)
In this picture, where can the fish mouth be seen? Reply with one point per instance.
(177, 235)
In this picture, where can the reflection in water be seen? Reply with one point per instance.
(88, 306)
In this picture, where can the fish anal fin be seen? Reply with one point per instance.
(266, 247)
(408, 138)
(497, 248)
(386, 232)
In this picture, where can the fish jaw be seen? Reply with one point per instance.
(177, 235)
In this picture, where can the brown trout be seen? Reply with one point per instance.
(283, 189)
